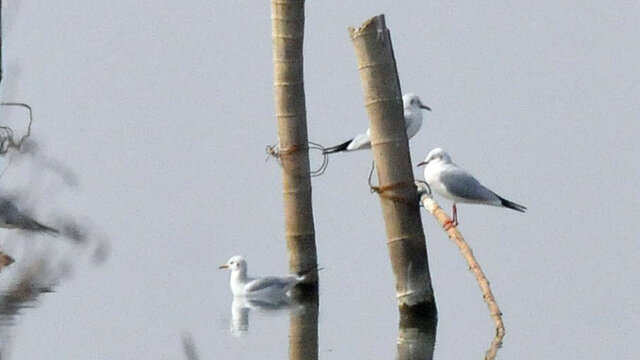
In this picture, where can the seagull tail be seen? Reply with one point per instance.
(337, 148)
(303, 273)
(511, 205)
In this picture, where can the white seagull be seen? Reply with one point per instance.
(264, 287)
(450, 181)
(412, 121)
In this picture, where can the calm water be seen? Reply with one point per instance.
(162, 111)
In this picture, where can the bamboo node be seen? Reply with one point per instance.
(297, 191)
(288, 83)
(295, 37)
(288, 60)
(285, 2)
(301, 234)
(415, 236)
(370, 65)
(290, 19)
(289, 115)
(381, 100)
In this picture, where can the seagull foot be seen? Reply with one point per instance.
(449, 224)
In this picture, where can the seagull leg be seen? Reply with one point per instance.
(455, 215)
(452, 223)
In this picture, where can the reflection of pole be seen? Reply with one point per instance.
(398, 195)
(303, 330)
(287, 34)
(416, 336)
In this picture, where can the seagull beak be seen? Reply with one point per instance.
(423, 163)
(225, 266)
(422, 106)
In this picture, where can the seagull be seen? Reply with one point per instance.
(265, 287)
(412, 121)
(450, 181)
(12, 218)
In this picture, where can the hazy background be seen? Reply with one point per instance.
(164, 108)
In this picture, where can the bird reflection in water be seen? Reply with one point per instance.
(241, 306)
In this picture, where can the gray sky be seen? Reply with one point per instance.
(164, 108)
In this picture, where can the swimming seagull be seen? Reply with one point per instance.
(450, 181)
(12, 218)
(412, 121)
(264, 287)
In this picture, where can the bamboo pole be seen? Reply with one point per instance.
(445, 221)
(287, 20)
(398, 196)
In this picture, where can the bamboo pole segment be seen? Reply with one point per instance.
(445, 221)
(287, 20)
(398, 199)
(416, 336)
(303, 330)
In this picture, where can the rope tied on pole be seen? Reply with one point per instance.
(386, 190)
(274, 151)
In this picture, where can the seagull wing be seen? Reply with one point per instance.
(281, 283)
(464, 186)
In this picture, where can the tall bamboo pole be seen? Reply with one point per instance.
(287, 20)
(398, 195)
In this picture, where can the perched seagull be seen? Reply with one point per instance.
(265, 287)
(412, 122)
(450, 181)
(12, 218)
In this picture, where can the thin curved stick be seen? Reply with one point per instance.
(444, 220)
